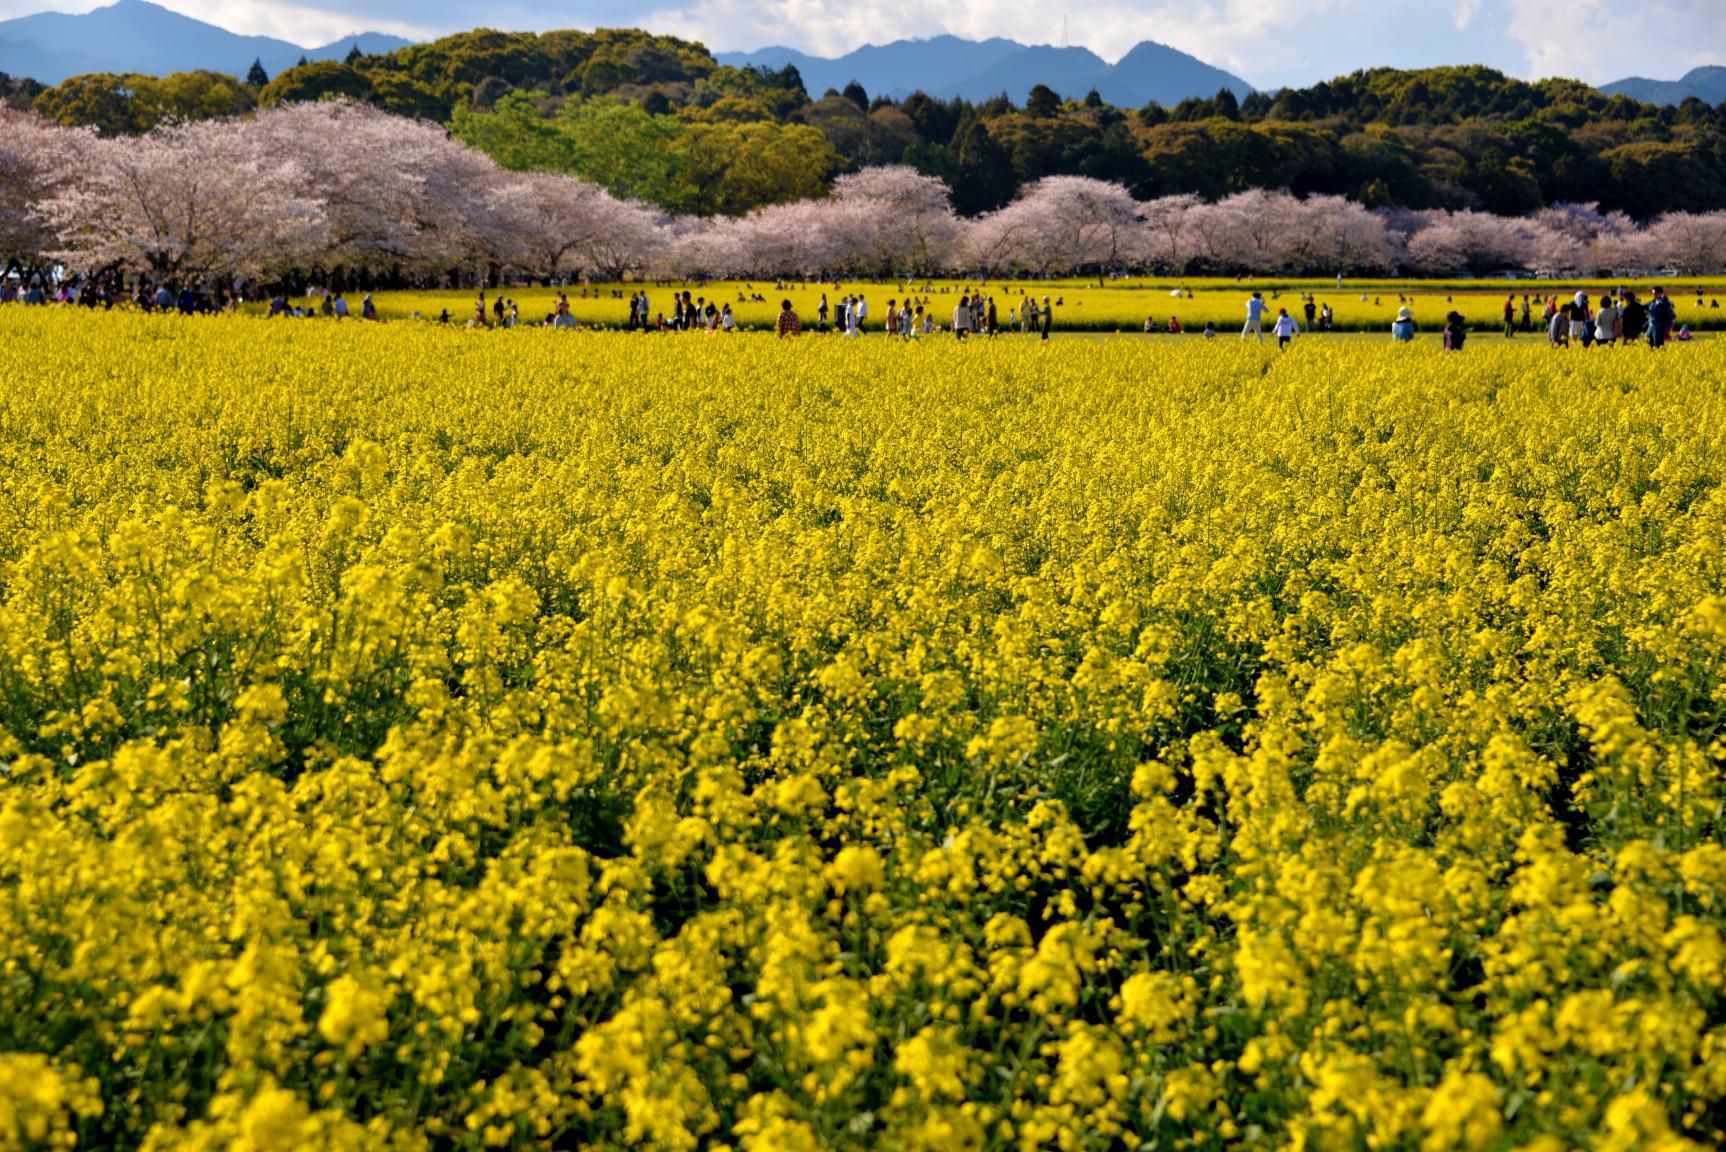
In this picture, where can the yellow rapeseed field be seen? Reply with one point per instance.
(414, 738)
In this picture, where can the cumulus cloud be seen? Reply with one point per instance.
(1604, 40)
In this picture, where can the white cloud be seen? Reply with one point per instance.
(308, 25)
(1599, 41)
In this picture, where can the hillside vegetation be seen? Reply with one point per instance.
(643, 114)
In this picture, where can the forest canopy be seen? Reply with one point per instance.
(658, 118)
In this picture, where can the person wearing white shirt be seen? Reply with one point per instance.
(1285, 329)
(962, 318)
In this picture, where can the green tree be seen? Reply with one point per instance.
(986, 179)
(256, 76)
(1044, 102)
(402, 94)
(320, 81)
(517, 136)
(193, 96)
(100, 100)
(732, 168)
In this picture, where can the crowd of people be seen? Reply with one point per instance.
(914, 317)
(1620, 318)
(1617, 316)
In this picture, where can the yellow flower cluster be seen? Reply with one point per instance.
(411, 740)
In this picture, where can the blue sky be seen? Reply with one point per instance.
(1269, 43)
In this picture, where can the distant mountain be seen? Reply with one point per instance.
(137, 36)
(1706, 84)
(948, 66)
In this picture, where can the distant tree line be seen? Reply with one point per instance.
(657, 118)
(342, 192)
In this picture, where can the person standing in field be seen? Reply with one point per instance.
(1558, 331)
(1661, 317)
(1527, 322)
(1632, 318)
(1402, 329)
(962, 318)
(1580, 332)
(1048, 315)
(1255, 318)
(1509, 317)
(1607, 321)
(1455, 332)
(788, 324)
(1285, 329)
(1028, 315)
(993, 316)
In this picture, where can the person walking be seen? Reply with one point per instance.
(1311, 313)
(1285, 329)
(1661, 317)
(1509, 317)
(1255, 317)
(1047, 314)
(993, 317)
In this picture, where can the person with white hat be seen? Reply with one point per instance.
(1402, 328)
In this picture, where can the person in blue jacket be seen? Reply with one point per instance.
(1661, 317)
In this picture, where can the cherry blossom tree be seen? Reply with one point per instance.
(1691, 241)
(1061, 224)
(185, 200)
(37, 158)
(1449, 242)
(553, 225)
(397, 193)
(1168, 231)
(1332, 234)
(893, 218)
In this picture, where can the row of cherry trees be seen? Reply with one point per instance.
(342, 186)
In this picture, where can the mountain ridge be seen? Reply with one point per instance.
(988, 68)
(143, 37)
(1707, 83)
